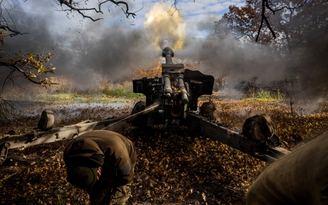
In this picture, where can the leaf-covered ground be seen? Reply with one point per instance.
(172, 168)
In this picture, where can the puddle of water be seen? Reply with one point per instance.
(81, 110)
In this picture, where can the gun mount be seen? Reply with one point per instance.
(171, 99)
(177, 91)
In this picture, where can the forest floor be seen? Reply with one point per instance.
(172, 166)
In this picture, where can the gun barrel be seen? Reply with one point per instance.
(168, 54)
(167, 85)
(182, 88)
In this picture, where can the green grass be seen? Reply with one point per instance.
(117, 95)
(121, 92)
(264, 95)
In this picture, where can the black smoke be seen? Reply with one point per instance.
(114, 50)
(80, 52)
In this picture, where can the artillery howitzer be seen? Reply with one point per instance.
(171, 99)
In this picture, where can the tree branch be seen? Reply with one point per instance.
(14, 68)
(75, 6)
(13, 32)
(31, 67)
(265, 5)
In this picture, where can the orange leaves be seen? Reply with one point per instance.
(43, 181)
(172, 166)
(154, 70)
(177, 168)
(3, 33)
(31, 75)
(31, 66)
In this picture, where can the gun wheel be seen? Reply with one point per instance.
(207, 110)
(139, 106)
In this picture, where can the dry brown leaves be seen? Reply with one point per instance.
(173, 166)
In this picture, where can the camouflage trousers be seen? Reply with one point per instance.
(105, 194)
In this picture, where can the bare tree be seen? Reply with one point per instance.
(7, 25)
(268, 8)
(82, 45)
(29, 65)
(82, 7)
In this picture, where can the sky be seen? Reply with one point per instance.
(86, 51)
(197, 14)
(113, 46)
(112, 55)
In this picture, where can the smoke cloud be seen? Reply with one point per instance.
(165, 27)
(84, 53)
(113, 51)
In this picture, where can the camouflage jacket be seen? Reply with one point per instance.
(297, 178)
(118, 151)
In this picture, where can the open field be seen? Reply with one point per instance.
(172, 167)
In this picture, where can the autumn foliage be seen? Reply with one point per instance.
(174, 166)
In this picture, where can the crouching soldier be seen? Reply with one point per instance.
(297, 178)
(102, 163)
